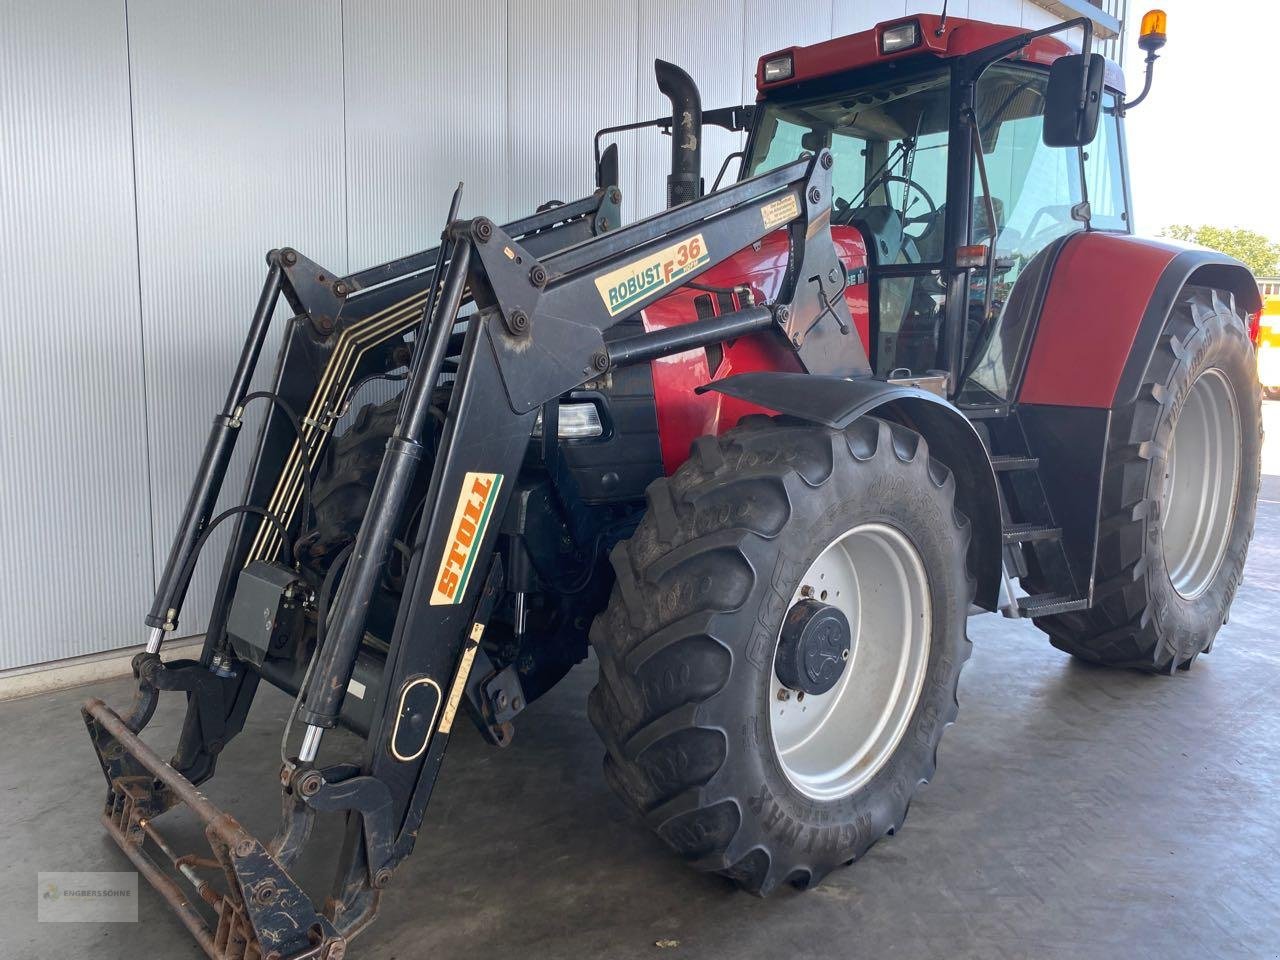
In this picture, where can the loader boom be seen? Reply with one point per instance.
(541, 307)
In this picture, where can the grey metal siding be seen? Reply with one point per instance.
(571, 70)
(238, 136)
(75, 538)
(152, 151)
(426, 107)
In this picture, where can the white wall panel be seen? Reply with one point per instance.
(75, 570)
(238, 128)
(850, 16)
(955, 8)
(571, 70)
(997, 11)
(771, 26)
(1035, 16)
(426, 107)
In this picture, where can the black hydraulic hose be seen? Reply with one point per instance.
(360, 384)
(267, 515)
(307, 501)
(304, 451)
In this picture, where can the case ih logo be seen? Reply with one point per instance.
(470, 517)
(626, 286)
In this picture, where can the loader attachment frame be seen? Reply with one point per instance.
(541, 307)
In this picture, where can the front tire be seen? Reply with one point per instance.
(1179, 494)
(687, 701)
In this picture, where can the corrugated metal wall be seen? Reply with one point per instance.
(152, 151)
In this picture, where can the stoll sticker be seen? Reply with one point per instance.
(780, 211)
(470, 517)
(623, 288)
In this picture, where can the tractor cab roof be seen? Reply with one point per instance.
(957, 38)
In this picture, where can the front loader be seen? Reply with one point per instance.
(764, 451)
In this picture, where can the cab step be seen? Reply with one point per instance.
(986, 411)
(1048, 604)
(1029, 532)
(1007, 464)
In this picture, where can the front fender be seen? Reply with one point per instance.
(837, 402)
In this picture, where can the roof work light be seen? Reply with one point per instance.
(901, 36)
(778, 68)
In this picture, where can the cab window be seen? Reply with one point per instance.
(1035, 193)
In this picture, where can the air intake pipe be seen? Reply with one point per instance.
(684, 183)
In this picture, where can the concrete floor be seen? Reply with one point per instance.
(1077, 813)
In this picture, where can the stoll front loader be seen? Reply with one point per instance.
(765, 451)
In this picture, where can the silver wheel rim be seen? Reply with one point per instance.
(830, 744)
(1201, 475)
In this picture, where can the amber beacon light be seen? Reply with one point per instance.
(1151, 37)
(1153, 33)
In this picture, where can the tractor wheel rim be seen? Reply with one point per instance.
(829, 745)
(1202, 473)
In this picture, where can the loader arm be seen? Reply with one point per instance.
(541, 307)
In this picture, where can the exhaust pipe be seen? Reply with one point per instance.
(684, 183)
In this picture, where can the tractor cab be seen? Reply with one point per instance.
(937, 129)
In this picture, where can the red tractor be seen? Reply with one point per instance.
(765, 452)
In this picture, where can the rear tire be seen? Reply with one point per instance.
(685, 697)
(1169, 562)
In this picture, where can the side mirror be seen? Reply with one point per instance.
(607, 168)
(1068, 123)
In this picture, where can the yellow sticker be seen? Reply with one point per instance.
(460, 680)
(780, 211)
(470, 517)
(623, 288)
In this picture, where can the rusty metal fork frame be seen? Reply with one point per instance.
(263, 913)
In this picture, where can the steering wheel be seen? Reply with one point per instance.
(930, 219)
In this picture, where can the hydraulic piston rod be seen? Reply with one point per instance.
(218, 448)
(336, 658)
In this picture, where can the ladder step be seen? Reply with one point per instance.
(1007, 463)
(1028, 532)
(992, 411)
(1048, 604)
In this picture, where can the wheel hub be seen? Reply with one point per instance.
(1202, 475)
(814, 647)
(869, 585)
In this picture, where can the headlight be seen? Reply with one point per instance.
(577, 421)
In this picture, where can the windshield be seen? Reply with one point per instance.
(889, 143)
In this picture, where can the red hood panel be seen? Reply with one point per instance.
(683, 415)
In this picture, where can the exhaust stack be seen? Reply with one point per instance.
(684, 183)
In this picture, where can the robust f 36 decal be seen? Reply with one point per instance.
(470, 517)
(623, 288)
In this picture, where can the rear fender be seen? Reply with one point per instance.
(836, 403)
(1104, 308)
